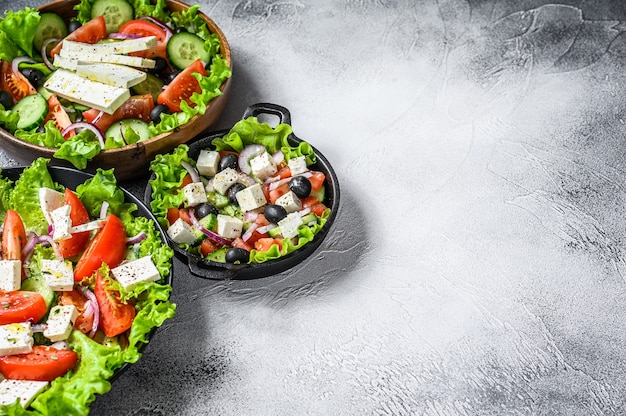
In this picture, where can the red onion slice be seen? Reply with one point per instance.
(124, 36)
(264, 229)
(47, 239)
(247, 153)
(104, 209)
(15, 63)
(279, 157)
(88, 126)
(44, 52)
(137, 238)
(246, 236)
(193, 172)
(213, 236)
(60, 345)
(96, 309)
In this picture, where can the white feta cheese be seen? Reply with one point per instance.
(290, 202)
(111, 58)
(180, 232)
(194, 194)
(229, 227)
(224, 180)
(251, 197)
(208, 161)
(61, 223)
(59, 274)
(60, 322)
(297, 165)
(24, 390)
(289, 225)
(124, 46)
(136, 271)
(49, 200)
(111, 74)
(16, 338)
(263, 166)
(10, 275)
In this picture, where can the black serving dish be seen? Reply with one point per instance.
(218, 271)
(71, 178)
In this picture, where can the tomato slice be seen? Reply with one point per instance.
(108, 246)
(74, 297)
(57, 113)
(91, 32)
(208, 246)
(74, 245)
(13, 236)
(20, 306)
(239, 243)
(145, 28)
(43, 363)
(314, 205)
(115, 316)
(137, 106)
(264, 244)
(182, 87)
(274, 194)
(317, 180)
(15, 83)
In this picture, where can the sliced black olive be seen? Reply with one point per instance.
(159, 65)
(237, 254)
(232, 192)
(228, 161)
(205, 209)
(300, 186)
(274, 213)
(5, 99)
(34, 76)
(73, 25)
(155, 113)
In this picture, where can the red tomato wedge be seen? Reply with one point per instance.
(317, 180)
(74, 297)
(115, 316)
(274, 194)
(182, 87)
(314, 205)
(91, 32)
(145, 28)
(137, 106)
(13, 236)
(108, 246)
(21, 306)
(57, 113)
(79, 215)
(16, 84)
(43, 363)
(208, 246)
(264, 244)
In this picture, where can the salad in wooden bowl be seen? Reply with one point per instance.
(109, 83)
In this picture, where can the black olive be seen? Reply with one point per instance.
(155, 113)
(159, 65)
(232, 192)
(5, 99)
(73, 25)
(180, 30)
(205, 209)
(228, 161)
(300, 186)
(41, 129)
(34, 76)
(168, 77)
(237, 254)
(274, 213)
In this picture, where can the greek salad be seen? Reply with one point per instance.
(120, 72)
(82, 286)
(250, 197)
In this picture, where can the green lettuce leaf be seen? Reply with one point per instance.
(103, 187)
(8, 118)
(8, 49)
(79, 149)
(20, 26)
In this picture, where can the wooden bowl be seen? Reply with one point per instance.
(130, 161)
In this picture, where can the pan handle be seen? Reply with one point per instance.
(198, 268)
(268, 108)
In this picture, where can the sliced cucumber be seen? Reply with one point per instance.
(50, 26)
(217, 199)
(152, 85)
(274, 232)
(310, 217)
(37, 283)
(184, 48)
(218, 255)
(128, 130)
(115, 13)
(320, 194)
(209, 222)
(32, 110)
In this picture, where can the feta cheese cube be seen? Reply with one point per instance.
(61, 223)
(194, 194)
(290, 202)
(136, 271)
(24, 390)
(208, 161)
(229, 227)
(251, 197)
(297, 165)
(49, 200)
(60, 322)
(180, 232)
(10, 275)
(16, 338)
(289, 225)
(224, 180)
(263, 166)
(59, 274)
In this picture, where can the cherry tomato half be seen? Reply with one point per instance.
(21, 306)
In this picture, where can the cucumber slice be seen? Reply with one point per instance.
(32, 110)
(128, 130)
(37, 283)
(184, 48)
(218, 255)
(310, 217)
(217, 199)
(274, 232)
(115, 13)
(50, 26)
(320, 194)
(152, 85)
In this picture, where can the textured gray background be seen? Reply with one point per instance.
(478, 263)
